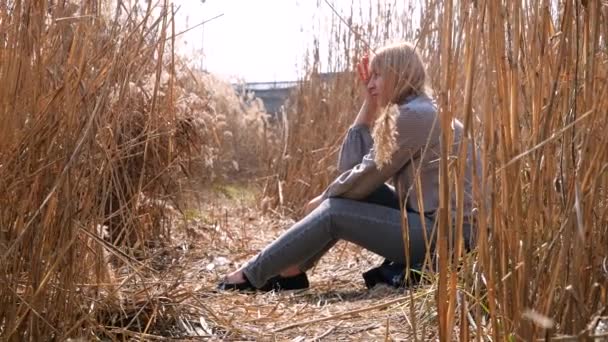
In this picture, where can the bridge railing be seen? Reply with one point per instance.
(253, 86)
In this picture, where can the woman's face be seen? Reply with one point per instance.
(379, 87)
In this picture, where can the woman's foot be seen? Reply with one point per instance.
(280, 282)
(236, 281)
(290, 279)
(291, 272)
(236, 277)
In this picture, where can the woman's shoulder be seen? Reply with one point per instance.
(418, 106)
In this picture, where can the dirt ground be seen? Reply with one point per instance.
(221, 234)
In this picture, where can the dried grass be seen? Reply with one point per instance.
(337, 307)
(102, 126)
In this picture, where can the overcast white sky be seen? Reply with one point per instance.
(257, 40)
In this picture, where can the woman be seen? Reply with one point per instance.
(406, 142)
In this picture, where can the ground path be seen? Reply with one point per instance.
(223, 232)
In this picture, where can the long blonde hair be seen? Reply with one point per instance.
(402, 68)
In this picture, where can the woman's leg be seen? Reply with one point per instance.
(374, 227)
(385, 196)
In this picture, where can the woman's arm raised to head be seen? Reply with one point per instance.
(414, 124)
(358, 141)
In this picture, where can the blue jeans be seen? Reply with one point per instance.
(373, 225)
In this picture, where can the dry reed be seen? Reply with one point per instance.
(101, 126)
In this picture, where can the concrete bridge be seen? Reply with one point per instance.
(272, 94)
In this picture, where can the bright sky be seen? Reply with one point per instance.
(256, 40)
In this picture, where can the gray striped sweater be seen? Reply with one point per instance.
(418, 146)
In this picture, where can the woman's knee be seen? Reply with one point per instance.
(333, 205)
(339, 213)
(331, 208)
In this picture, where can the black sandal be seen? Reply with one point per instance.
(392, 274)
(277, 283)
(280, 283)
(244, 286)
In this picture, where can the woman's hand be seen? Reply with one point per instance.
(368, 112)
(313, 204)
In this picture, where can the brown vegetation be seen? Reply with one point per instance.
(102, 126)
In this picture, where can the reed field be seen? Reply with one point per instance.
(130, 181)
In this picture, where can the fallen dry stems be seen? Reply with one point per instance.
(350, 312)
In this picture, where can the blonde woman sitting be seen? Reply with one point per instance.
(406, 140)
